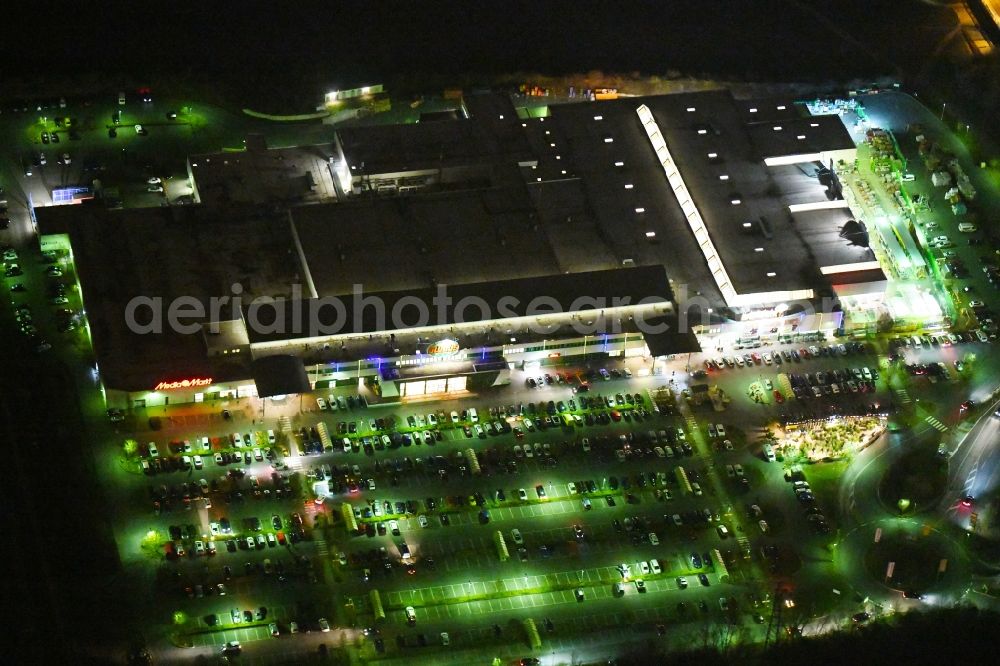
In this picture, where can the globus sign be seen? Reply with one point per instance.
(183, 384)
(444, 348)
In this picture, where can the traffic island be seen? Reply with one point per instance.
(908, 561)
(914, 481)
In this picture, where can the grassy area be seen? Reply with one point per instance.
(918, 475)
(824, 479)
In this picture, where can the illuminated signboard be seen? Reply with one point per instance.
(443, 348)
(183, 383)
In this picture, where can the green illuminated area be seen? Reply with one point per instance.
(797, 544)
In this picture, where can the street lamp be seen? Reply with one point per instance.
(943, 104)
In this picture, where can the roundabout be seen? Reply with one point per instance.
(884, 558)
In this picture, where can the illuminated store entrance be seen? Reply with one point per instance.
(434, 386)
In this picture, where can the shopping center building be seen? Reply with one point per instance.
(445, 255)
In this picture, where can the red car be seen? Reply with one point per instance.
(616, 415)
(778, 397)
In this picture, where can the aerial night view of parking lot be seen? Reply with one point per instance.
(509, 334)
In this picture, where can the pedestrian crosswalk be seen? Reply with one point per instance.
(321, 548)
(285, 425)
(937, 424)
(903, 395)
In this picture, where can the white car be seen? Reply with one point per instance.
(711, 430)
(454, 417)
(653, 539)
(153, 452)
(321, 403)
(153, 180)
(422, 520)
(720, 429)
(324, 626)
(644, 568)
(515, 534)
(394, 527)
(654, 565)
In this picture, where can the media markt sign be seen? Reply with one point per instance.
(443, 348)
(183, 384)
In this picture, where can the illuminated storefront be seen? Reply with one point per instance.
(432, 386)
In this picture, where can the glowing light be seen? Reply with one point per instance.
(184, 383)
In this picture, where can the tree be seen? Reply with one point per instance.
(130, 447)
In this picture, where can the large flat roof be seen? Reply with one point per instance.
(799, 136)
(538, 295)
(820, 229)
(196, 252)
(261, 175)
(473, 236)
(710, 136)
(491, 133)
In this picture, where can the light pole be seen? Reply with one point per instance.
(943, 105)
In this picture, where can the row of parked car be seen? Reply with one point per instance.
(334, 402)
(834, 382)
(784, 356)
